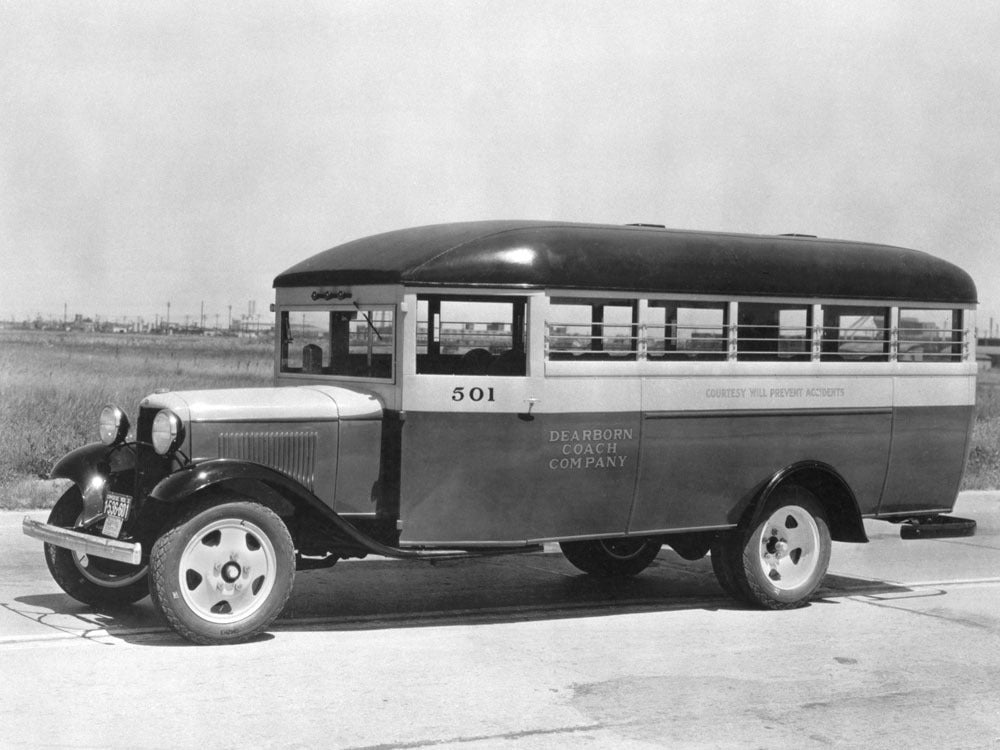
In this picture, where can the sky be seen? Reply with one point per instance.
(187, 153)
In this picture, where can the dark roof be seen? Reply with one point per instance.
(535, 254)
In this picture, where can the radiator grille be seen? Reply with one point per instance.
(292, 453)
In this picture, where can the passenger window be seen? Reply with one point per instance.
(855, 334)
(772, 331)
(929, 335)
(687, 330)
(580, 329)
(471, 335)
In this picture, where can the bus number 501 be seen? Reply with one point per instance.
(474, 394)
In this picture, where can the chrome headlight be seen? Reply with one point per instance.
(112, 425)
(168, 432)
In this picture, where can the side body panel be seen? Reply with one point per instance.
(711, 441)
(481, 478)
(690, 453)
(702, 470)
(929, 449)
(932, 429)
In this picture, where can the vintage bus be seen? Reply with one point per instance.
(488, 387)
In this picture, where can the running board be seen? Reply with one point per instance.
(936, 527)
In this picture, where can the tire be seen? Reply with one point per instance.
(625, 556)
(88, 579)
(722, 566)
(781, 561)
(222, 572)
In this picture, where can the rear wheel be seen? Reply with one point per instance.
(223, 572)
(88, 579)
(779, 562)
(625, 556)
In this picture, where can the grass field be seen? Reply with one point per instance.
(983, 470)
(52, 386)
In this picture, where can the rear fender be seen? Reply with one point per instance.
(830, 489)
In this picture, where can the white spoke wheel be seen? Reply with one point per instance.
(624, 556)
(223, 573)
(227, 571)
(781, 561)
(92, 580)
(787, 546)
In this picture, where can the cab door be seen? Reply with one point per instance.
(511, 453)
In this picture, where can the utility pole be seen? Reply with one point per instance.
(168, 316)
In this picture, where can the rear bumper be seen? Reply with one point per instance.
(110, 549)
(937, 527)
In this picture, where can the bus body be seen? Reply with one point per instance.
(489, 386)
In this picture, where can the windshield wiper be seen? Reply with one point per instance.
(368, 320)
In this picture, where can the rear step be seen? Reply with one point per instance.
(936, 527)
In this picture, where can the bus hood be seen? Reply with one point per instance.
(299, 403)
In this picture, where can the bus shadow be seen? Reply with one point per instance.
(378, 594)
(389, 594)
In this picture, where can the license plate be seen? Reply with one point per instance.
(116, 509)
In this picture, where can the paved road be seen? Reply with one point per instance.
(901, 650)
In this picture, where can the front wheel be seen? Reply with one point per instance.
(779, 562)
(625, 556)
(88, 579)
(223, 572)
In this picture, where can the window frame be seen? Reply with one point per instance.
(511, 362)
(597, 338)
(811, 346)
(691, 353)
(830, 346)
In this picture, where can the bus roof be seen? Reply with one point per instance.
(554, 255)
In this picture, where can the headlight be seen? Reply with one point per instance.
(168, 432)
(113, 425)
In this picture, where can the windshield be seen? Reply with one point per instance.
(356, 341)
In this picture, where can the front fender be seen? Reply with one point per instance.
(223, 472)
(91, 467)
(218, 471)
(81, 464)
(245, 478)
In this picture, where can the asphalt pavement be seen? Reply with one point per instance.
(900, 649)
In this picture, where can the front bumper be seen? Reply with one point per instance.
(110, 549)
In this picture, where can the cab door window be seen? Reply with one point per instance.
(471, 335)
